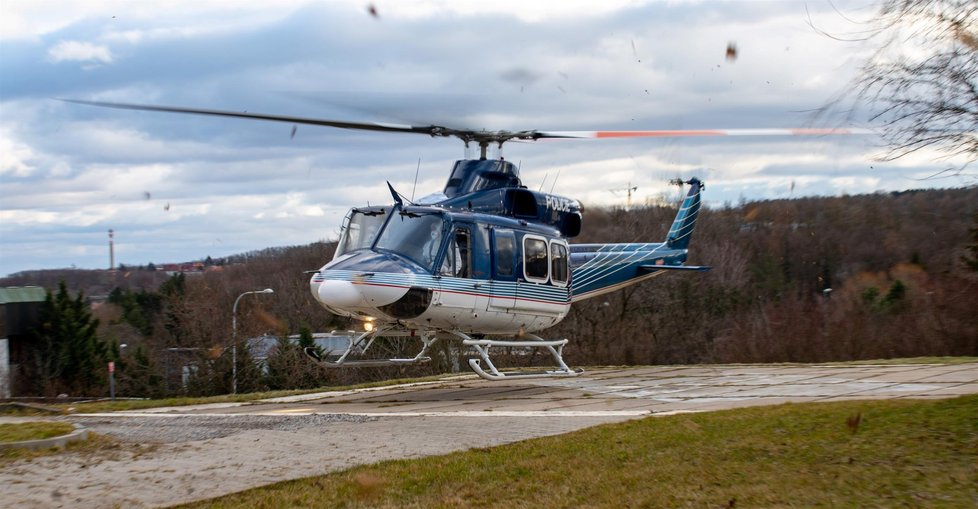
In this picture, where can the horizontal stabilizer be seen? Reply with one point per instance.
(653, 268)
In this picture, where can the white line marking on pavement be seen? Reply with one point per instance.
(303, 411)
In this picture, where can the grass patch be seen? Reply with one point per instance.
(840, 454)
(27, 410)
(140, 404)
(35, 430)
(96, 448)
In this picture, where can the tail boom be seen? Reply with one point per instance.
(597, 269)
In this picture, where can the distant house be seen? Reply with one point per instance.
(263, 347)
(20, 310)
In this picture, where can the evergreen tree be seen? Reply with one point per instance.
(307, 341)
(288, 366)
(139, 376)
(66, 354)
(175, 286)
(138, 309)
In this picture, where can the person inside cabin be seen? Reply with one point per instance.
(456, 262)
(463, 252)
(430, 250)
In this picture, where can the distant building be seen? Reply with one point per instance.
(263, 347)
(20, 310)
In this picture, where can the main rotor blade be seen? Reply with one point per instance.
(483, 138)
(702, 132)
(431, 130)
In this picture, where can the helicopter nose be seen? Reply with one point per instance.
(339, 294)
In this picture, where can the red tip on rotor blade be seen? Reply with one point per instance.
(647, 134)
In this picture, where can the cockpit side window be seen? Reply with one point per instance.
(414, 236)
(504, 252)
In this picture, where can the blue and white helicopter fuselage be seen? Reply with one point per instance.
(490, 262)
(448, 270)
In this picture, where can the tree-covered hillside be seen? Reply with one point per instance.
(813, 279)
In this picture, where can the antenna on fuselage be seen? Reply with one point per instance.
(555, 182)
(418, 170)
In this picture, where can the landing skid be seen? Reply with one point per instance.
(482, 346)
(362, 344)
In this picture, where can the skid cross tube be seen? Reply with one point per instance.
(362, 343)
(482, 346)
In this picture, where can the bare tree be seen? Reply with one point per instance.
(921, 82)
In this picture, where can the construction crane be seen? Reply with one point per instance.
(628, 190)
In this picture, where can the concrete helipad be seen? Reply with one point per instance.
(623, 392)
(208, 450)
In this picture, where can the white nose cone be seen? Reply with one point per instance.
(339, 294)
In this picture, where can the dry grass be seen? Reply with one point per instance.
(95, 449)
(896, 453)
(34, 430)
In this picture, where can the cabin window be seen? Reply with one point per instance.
(504, 252)
(458, 258)
(558, 263)
(536, 263)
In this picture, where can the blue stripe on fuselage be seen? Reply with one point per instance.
(501, 289)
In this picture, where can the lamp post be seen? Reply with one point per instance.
(112, 373)
(234, 338)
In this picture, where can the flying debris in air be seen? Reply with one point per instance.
(146, 195)
(731, 51)
(294, 129)
(372, 9)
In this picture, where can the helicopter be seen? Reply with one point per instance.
(485, 262)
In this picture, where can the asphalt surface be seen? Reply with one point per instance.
(208, 450)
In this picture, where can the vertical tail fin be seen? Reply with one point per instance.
(682, 228)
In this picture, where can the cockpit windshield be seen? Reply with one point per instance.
(359, 230)
(415, 236)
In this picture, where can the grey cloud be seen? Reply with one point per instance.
(319, 62)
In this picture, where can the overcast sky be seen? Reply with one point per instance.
(179, 187)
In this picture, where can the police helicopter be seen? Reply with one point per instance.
(485, 262)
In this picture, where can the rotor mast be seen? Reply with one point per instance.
(485, 138)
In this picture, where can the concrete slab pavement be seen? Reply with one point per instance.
(285, 438)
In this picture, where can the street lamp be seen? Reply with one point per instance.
(234, 338)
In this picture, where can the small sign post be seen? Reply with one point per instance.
(112, 380)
